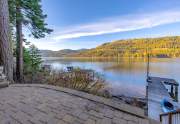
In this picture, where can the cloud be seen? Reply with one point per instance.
(47, 43)
(119, 24)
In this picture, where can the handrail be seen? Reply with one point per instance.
(173, 112)
(169, 114)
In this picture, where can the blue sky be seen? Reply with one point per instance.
(87, 23)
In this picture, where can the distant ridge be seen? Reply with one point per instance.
(157, 47)
(60, 53)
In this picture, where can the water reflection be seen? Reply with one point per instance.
(124, 76)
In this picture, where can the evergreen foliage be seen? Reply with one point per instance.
(31, 16)
(32, 59)
(26, 14)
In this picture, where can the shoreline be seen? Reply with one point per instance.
(134, 101)
(105, 58)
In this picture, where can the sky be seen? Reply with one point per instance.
(81, 24)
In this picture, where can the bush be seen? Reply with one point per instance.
(79, 79)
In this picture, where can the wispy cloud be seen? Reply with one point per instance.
(120, 24)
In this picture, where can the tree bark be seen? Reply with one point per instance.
(5, 47)
(19, 52)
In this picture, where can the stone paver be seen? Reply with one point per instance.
(38, 105)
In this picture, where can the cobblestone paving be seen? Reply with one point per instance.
(33, 105)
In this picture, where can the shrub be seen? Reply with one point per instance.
(79, 79)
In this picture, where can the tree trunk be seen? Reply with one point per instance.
(19, 52)
(5, 47)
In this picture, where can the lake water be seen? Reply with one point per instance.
(124, 76)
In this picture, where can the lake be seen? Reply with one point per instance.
(124, 76)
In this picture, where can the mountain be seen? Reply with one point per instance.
(156, 47)
(60, 53)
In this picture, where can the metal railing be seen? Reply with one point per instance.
(171, 117)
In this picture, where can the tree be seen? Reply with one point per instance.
(32, 60)
(29, 14)
(35, 58)
(5, 47)
(19, 47)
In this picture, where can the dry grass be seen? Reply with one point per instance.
(79, 79)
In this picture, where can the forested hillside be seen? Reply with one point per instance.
(60, 53)
(157, 47)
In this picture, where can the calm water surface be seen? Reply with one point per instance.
(124, 76)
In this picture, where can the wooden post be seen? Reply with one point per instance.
(148, 66)
(172, 91)
(170, 118)
(160, 118)
(146, 109)
(176, 93)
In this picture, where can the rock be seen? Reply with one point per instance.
(3, 81)
(138, 102)
(4, 84)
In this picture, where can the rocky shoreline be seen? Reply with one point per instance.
(138, 102)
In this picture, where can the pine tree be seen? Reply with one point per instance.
(32, 60)
(35, 58)
(5, 47)
(29, 14)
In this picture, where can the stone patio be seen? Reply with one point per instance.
(44, 104)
